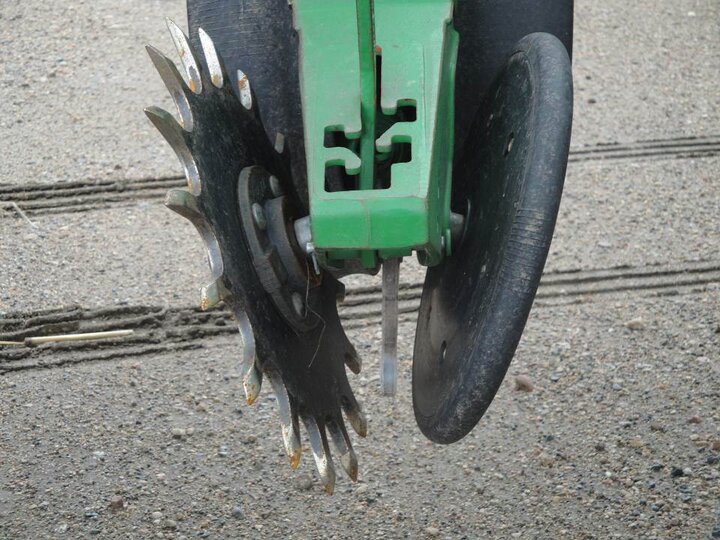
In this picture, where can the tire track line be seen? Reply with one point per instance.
(163, 328)
(81, 196)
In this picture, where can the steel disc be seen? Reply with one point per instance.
(508, 182)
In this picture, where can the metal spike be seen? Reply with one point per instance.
(187, 56)
(175, 135)
(174, 83)
(248, 339)
(353, 361)
(212, 294)
(355, 416)
(342, 443)
(184, 203)
(251, 375)
(212, 60)
(290, 435)
(321, 453)
(245, 92)
(252, 383)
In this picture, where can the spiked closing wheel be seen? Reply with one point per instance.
(230, 166)
(508, 182)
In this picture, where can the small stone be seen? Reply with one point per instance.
(116, 503)
(205, 524)
(178, 433)
(156, 516)
(636, 442)
(635, 324)
(675, 472)
(169, 524)
(523, 383)
(62, 528)
(715, 445)
(687, 471)
(237, 512)
(223, 451)
(694, 419)
(546, 460)
(304, 482)
(600, 447)
(712, 460)
(655, 426)
(432, 531)
(716, 532)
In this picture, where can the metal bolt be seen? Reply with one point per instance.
(298, 304)
(275, 186)
(259, 216)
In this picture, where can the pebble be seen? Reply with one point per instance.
(178, 433)
(655, 426)
(716, 531)
(523, 383)
(635, 324)
(675, 472)
(169, 524)
(546, 460)
(237, 512)
(156, 516)
(694, 419)
(636, 442)
(715, 445)
(223, 451)
(304, 482)
(432, 531)
(116, 503)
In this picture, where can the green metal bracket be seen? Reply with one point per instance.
(377, 83)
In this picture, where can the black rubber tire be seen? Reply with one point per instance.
(475, 303)
(489, 29)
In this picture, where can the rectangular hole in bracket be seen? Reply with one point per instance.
(337, 179)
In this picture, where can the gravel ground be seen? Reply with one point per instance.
(619, 439)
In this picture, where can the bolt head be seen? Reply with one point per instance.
(259, 216)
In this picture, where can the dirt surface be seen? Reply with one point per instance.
(608, 424)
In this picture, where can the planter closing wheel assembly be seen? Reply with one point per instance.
(322, 138)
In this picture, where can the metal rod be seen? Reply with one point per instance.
(390, 285)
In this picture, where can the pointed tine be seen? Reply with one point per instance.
(248, 341)
(245, 92)
(290, 435)
(212, 293)
(342, 443)
(176, 137)
(353, 361)
(187, 56)
(214, 63)
(252, 383)
(321, 453)
(355, 416)
(174, 83)
(184, 203)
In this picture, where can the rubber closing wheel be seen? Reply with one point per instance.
(508, 182)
